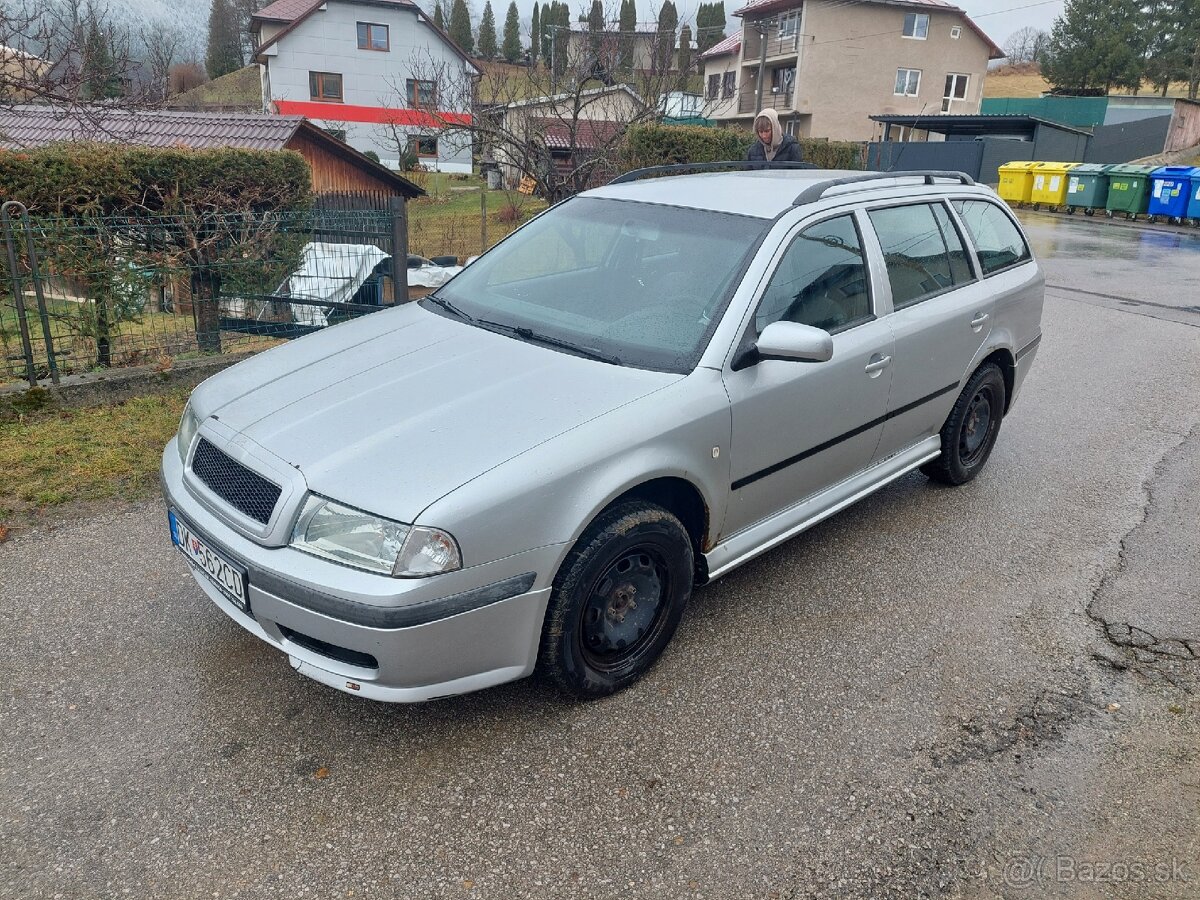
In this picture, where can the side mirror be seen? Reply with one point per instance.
(791, 340)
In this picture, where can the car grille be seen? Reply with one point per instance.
(246, 491)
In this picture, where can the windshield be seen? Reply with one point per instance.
(635, 283)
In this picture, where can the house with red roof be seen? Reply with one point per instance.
(828, 65)
(369, 72)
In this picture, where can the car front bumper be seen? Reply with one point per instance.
(396, 640)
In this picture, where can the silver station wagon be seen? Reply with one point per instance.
(644, 387)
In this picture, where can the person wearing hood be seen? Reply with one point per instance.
(772, 146)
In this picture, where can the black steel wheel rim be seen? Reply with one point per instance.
(977, 425)
(625, 608)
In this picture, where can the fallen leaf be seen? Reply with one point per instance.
(1113, 707)
(678, 840)
(468, 883)
(321, 773)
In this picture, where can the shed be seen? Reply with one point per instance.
(977, 145)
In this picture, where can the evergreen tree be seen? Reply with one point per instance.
(595, 22)
(548, 19)
(563, 20)
(98, 67)
(512, 34)
(668, 21)
(224, 40)
(460, 26)
(439, 18)
(535, 43)
(487, 33)
(627, 24)
(710, 26)
(1090, 46)
(685, 55)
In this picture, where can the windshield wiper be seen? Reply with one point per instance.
(528, 334)
(525, 334)
(452, 309)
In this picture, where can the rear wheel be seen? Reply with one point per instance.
(970, 431)
(617, 600)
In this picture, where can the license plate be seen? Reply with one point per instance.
(228, 576)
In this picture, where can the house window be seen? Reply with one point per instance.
(420, 93)
(789, 24)
(714, 87)
(372, 36)
(423, 146)
(955, 32)
(783, 81)
(729, 84)
(956, 89)
(916, 26)
(908, 82)
(325, 86)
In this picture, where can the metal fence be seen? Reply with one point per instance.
(89, 293)
(129, 290)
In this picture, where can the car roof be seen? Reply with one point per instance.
(761, 193)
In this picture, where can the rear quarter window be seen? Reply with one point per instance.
(997, 241)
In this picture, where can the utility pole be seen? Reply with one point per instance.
(763, 26)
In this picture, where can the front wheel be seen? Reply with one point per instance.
(617, 600)
(970, 431)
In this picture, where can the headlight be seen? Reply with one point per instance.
(356, 538)
(187, 430)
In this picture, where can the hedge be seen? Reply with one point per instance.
(658, 145)
(92, 180)
(108, 214)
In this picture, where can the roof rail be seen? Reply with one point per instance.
(815, 192)
(684, 168)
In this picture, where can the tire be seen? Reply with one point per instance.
(965, 450)
(1108, 214)
(1089, 211)
(597, 639)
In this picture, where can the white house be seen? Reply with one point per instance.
(367, 71)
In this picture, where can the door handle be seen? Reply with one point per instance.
(977, 322)
(877, 364)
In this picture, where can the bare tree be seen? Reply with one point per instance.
(162, 46)
(49, 53)
(1026, 45)
(560, 138)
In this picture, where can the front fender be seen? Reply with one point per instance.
(549, 494)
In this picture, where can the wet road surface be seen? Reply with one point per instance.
(976, 692)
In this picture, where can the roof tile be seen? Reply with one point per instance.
(32, 126)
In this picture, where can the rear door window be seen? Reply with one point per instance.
(998, 242)
(922, 249)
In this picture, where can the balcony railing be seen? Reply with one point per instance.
(777, 46)
(749, 103)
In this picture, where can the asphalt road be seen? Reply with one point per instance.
(978, 692)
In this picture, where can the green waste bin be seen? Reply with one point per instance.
(1087, 188)
(1128, 190)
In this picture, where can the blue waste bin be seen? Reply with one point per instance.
(1193, 209)
(1170, 191)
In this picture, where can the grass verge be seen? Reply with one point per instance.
(57, 457)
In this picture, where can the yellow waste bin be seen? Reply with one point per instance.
(1016, 181)
(1050, 183)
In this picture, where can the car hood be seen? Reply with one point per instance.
(393, 411)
